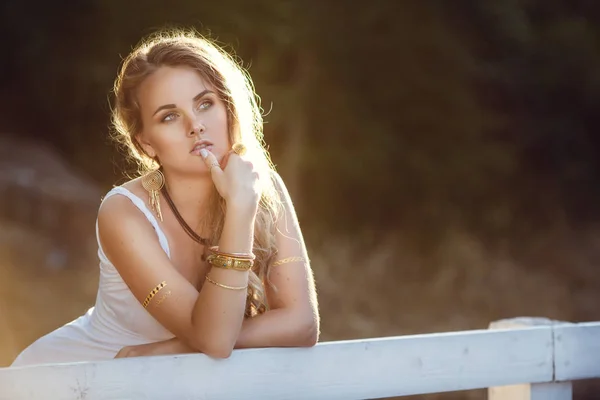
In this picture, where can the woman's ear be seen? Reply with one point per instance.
(145, 145)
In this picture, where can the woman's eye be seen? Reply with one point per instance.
(204, 105)
(169, 117)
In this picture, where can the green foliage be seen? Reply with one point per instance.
(543, 59)
(420, 115)
(410, 144)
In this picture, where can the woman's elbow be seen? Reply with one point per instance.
(220, 352)
(310, 333)
(214, 348)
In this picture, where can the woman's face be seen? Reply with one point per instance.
(180, 111)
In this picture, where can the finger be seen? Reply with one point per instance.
(211, 163)
(225, 159)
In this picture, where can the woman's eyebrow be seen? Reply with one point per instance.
(196, 98)
(202, 94)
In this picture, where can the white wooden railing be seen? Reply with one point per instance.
(543, 359)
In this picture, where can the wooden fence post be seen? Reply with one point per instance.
(526, 391)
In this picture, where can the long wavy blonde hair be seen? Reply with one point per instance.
(234, 86)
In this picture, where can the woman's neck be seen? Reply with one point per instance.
(191, 195)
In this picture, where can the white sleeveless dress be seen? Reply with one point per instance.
(117, 319)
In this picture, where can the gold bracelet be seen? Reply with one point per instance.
(239, 264)
(215, 250)
(153, 293)
(287, 260)
(226, 286)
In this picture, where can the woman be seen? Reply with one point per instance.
(202, 252)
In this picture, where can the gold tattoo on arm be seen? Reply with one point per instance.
(288, 260)
(164, 296)
(153, 293)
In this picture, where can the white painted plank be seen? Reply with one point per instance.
(536, 391)
(527, 391)
(577, 351)
(551, 391)
(357, 369)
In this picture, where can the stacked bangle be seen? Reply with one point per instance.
(245, 256)
(226, 286)
(236, 261)
(229, 262)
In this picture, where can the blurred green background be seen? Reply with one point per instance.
(441, 154)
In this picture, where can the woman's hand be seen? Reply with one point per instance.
(237, 182)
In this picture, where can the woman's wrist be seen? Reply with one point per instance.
(242, 208)
(238, 229)
(178, 346)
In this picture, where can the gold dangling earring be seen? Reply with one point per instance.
(153, 182)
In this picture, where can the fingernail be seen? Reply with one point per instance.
(203, 153)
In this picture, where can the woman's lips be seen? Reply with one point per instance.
(196, 150)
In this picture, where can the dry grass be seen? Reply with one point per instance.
(34, 299)
(388, 290)
(460, 285)
(391, 291)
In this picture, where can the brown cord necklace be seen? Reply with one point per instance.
(184, 225)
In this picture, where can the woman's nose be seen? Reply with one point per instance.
(196, 128)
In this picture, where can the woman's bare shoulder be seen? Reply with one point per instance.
(135, 186)
(119, 207)
(123, 228)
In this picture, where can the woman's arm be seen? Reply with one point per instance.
(209, 321)
(275, 328)
(293, 318)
